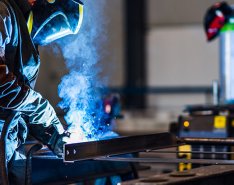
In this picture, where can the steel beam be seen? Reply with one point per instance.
(166, 160)
(207, 141)
(117, 146)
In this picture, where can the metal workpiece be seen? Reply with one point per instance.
(141, 143)
(207, 141)
(117, 146)
(166, 160)
(187, 152)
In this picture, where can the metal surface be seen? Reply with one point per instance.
(226, 67)
(56, 172)
(166, 160)
(215, 87)
(213, 108)
(187, 152)
(122, 145)
(212, 175)
(125, 145)
(208, 141)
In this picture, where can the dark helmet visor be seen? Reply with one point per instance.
(52, 21)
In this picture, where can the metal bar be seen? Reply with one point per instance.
(207, 141)
(122, 145)
(167, 160)
(187, 152)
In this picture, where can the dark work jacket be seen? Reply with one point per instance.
(16, 86)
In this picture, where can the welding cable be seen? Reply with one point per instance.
(3, 160)
(134, 170)
(34, 148)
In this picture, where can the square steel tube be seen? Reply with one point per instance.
(117, 146)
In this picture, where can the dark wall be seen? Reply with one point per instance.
(135, 69)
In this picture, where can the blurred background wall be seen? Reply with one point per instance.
(177, 54)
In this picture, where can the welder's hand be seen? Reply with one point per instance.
(57, 147)
(75, 134)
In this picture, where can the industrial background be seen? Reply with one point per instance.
(155, 56)
(170, 56)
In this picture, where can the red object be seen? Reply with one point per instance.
(31, 2)
(216, 17)
(215, 26)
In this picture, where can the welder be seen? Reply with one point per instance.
(24, 25)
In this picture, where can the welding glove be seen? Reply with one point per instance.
(50, 136)
(57, 142)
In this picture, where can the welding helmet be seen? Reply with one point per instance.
(216, 17)
(52, 19)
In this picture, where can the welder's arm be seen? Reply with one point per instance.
(22, 98)
(19, 97)
(44, 124)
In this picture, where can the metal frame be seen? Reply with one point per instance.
(102, 150)
(122, 145)
(166, 160)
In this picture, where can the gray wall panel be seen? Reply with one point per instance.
(178, 11)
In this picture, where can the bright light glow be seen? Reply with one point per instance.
(57, 35)
(85, 107)
(80, 90)
(231, 20)
(108, 109)
(186, 124)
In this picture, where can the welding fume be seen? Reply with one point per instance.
(90, 110)
(24, 25)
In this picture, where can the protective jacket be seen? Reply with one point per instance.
(17, 80)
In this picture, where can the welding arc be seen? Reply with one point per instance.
(166, 160)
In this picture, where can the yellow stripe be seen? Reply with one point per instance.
(30, 22)
(81, 16)
(185, 148)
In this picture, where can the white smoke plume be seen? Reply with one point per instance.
(80, 89)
